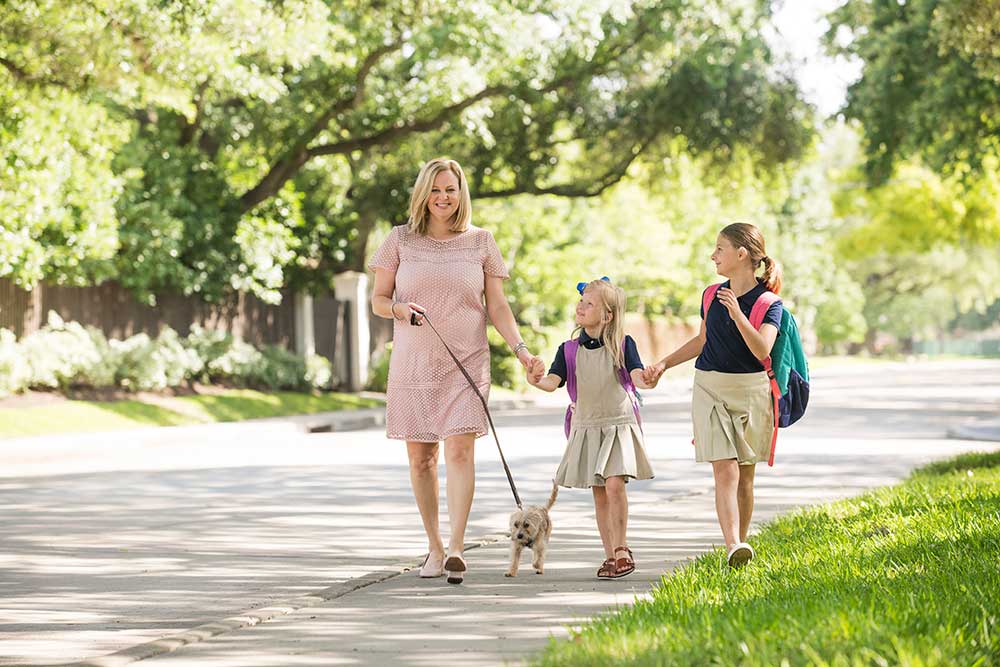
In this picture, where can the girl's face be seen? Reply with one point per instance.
(591, 312)
(443, 202)
(728, 259)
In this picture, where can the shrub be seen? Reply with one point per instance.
(64, 354)
(378, 372)
(15, 372)
(147, 364)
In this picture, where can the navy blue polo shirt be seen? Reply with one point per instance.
(558, 366)
(725, 350)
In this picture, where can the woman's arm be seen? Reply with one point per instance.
(503, 320)
(382, 291)
(382, 302)
(759, 342)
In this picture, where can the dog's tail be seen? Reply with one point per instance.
(552, 497)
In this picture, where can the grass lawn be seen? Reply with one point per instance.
(905, 575)
(230, 405)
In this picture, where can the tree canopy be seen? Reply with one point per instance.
(930, 86)
(252, 144)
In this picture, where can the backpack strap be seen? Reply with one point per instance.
(707, 297)
(570, 348)
(760, 308)
(757, 313)
(626, 381)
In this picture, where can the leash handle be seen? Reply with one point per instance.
(482, 399)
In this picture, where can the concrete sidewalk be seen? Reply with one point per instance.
(175, 545)
(390, 616)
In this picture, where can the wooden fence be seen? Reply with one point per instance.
(112, 309)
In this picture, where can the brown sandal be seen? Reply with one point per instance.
(607, 569)
(623, 566)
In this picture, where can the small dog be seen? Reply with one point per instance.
(531, 527)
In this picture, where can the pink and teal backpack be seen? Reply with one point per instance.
(786, 367)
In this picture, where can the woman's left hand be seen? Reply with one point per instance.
(727, 298)
(530, 361)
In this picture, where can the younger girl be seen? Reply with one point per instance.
(601, 369)
(731, 406)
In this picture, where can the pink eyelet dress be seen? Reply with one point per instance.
(428, 399)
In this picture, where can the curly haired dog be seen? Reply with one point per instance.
(531, 527)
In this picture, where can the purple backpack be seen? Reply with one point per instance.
(570, 348)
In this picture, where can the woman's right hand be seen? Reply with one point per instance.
(414, 312)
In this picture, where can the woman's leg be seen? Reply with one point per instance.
(727, 477)
(603, 520)
(617, 510)
(459, 459)
(424, 480)
(744, 497)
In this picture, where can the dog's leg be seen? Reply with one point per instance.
(538, 557)
(515, 559)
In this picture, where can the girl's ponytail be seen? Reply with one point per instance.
(772, 274)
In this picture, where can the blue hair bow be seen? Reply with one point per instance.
(580, 286)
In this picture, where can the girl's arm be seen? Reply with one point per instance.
(759, 342)
(548, 383)
(685, 352)
(503, 320)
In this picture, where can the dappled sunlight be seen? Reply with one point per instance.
(168, 531)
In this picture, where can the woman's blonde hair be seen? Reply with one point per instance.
(612, 332)
(745, 235)
(419, 215)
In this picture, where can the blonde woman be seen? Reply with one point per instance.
(604, 449)
(439, 263)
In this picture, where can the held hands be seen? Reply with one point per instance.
(533, 365)
(651, 374)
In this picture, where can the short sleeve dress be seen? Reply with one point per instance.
(428, 399)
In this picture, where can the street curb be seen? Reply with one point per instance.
(254, 617)
(356, 420)
(986, 431)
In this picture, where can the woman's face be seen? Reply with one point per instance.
(727, 258)
(443, 202)
(590, 312)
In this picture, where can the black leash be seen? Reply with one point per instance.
(472, 383)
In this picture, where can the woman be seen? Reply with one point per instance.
(440, 263)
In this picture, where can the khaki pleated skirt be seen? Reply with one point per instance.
(733, 416)
(605, 439)
(594, 453)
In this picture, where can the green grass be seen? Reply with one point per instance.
(906, 575)
(231, 405)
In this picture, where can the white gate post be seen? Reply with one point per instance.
(351, 287)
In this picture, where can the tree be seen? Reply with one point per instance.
(267, 140)
(929, 89)
(925, 248)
